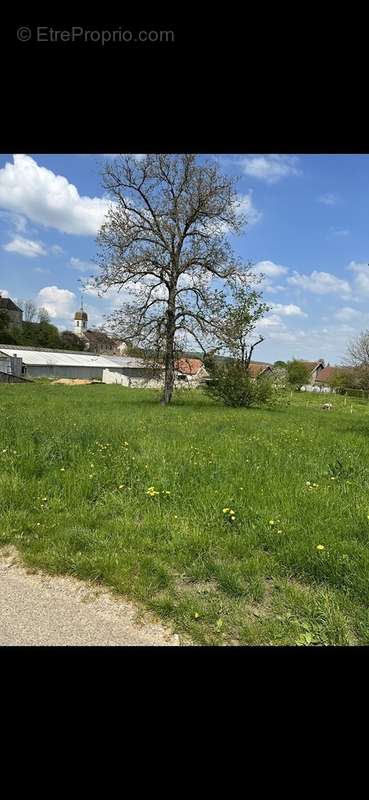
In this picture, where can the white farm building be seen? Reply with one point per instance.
(67, 364)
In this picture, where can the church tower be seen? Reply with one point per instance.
(80, 321)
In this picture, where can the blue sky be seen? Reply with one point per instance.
(308, 233)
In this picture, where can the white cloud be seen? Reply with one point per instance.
(358, 266)
(270, 321)
(346, 314)
(25, 247)
(42, 271)
(269, 269)
(56, 250)
(289, 310)
(328, 199)
(4, 293)
(48, 199)
(247, 207)
(14, 220)
(320, 283)
(274, 289)
(361, 279)
(136, 156)
(81, 266)
(362, 283)
(60, 303)
(270, 168)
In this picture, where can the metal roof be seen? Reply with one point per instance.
(129, 361)
(68, 359)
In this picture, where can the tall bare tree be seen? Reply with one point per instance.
(29, 310)
(358, 358)
(164, 245)
(358, 350)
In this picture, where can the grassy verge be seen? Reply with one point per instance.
(104, 483)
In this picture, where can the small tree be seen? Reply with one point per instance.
(43, 315)
(297, 373)
(280, 364)
(235, 324)
(340, 380)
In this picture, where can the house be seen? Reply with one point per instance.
(314, 367)
(258, 369)
(325, 376)
(190, 371)
(95, 340)
(101, 343)
(13, 313)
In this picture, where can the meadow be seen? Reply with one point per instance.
(234, 526)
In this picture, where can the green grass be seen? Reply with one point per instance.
(75, 466)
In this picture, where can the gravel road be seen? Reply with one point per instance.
(39, 609)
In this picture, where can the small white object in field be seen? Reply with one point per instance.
(327, 406)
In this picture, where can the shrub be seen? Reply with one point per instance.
(231, 383)
(298, 373)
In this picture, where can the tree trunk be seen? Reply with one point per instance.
(169, 352)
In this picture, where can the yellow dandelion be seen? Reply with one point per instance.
(121, 486)
(225, 511)
(271, 522)
(320, 547)
(62, 469)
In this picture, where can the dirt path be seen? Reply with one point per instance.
(39, 609)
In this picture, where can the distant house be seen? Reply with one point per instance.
(314, 367)
(101, 343)
(190, 371)
(258, 369)
(13, 313)
(326, 375)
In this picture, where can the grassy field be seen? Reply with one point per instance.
(234, 526)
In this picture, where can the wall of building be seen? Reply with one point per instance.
(11, 364)
(134, 378)
(141, 379)
(48, 371)
(14, 317)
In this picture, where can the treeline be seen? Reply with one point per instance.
(37, 334)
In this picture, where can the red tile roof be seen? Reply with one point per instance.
(188, 366)
(325, 375)
(257, 369)
(311, 365)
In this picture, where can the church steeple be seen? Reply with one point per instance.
(80, 320)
